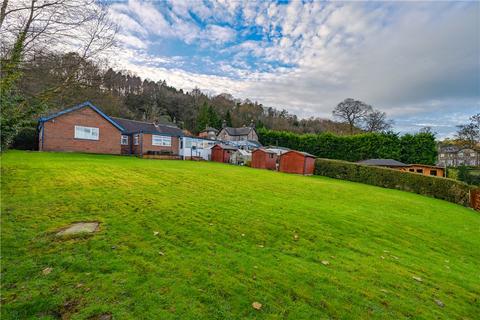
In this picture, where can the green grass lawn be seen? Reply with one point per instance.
(227, 236)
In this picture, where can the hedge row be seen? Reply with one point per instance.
(408, 148)
(436, 187)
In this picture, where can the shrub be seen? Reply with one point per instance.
(416, 148)
(437, 187)
(26, 139)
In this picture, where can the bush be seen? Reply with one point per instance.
(437, 187)
(26, 139)
(416, 148)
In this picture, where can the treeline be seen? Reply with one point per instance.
(409, 148)
(68, 79)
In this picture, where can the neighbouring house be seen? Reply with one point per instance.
(194, 148)
(222, 152)
(264, 159)
(208, 133)
(298, 162)
(454, 156)
(415, 168)
(237, 134)
(240, 157)
(85, 128)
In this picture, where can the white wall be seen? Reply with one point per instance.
(202, 147)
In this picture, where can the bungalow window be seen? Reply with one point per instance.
(124, 140)
(161, 141)
(433, 172)
(87, 133)
(135, 139)
(419, 170)
(411, 170)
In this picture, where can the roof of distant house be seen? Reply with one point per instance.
(243, 131)
(208, 129)
(132, 126)
(383, 163)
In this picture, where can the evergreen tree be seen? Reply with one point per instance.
(228, 119)
(213, 118)
(203, 118)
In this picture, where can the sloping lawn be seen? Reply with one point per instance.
(303, 247)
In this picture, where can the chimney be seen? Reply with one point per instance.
(224, 123)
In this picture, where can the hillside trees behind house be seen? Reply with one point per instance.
(410, 148)
(32, 28)
(123, 94)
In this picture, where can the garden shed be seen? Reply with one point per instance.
(264, 159)
(297, 162)
(222, 152)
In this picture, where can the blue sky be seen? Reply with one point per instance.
(417, 61)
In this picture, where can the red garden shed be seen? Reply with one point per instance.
(297, 162)
(264, 159)
(221, 152)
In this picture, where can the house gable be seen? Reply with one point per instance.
(78, 107)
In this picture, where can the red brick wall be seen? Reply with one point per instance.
(59, 133)
(147, 145)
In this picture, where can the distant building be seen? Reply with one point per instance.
(454, 156)
(208, 133)
(426, 170)
(237, 134)
(264, 159)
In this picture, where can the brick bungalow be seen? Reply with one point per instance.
(85, 128)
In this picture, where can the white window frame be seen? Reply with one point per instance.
(136, 139)
(161, 141)
(124, 140)
(87, 133)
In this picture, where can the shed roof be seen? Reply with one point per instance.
(383, 162)
(305, 154)
(225, 146)
(264, 150)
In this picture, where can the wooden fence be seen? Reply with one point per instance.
(475, 199)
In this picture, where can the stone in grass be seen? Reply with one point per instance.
(417, 279)
(79, 227)
(47, 270)
(325, 262)
(439, 303)
(256, 305)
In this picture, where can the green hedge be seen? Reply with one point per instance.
(408, 148)
(437, 187)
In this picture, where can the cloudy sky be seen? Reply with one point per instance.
(417, 61)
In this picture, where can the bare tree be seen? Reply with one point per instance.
(376, 121)
(352, 112)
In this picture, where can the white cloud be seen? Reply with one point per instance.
(404, 58)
